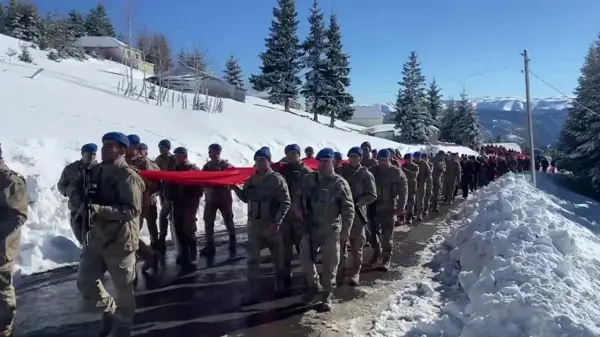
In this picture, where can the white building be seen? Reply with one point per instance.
(390, 132)
(370, 115)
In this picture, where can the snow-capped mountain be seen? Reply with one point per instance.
(518, 103)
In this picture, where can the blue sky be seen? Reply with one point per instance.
(475, 44)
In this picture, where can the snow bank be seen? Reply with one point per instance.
(46, 120)
(515, 264)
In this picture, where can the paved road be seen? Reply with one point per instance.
(206, 302)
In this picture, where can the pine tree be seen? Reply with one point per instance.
(467, 126)
(281, 61)
(434, 104)
(337, 75)
(97, 22)
(22, 21)
(579, 144)
(14, 14)
(2, 20)
(448, 123)
(233, 73)
(314, 48)
(76, 23)
(411, 115)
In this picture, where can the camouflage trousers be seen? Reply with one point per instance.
(328, 239)
(121, 267)
(428, 191)
(77, 228)
(351, 267)
(8, 300)
(260, 235)
(291, 232)
(420, 198)
(384, 221)
(449, 187)
(184, 224)
(210, 216)
(411, 201)
(435, 193)
(150, 214)
(163, 218)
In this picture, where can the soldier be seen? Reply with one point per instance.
(423, 177)
(411, 170)
(392, 191)
(309, 153)
(185, 201)
(217, 199)
(143, 150)
(165, 162)
(149, 209)
(268, 200)
(116, 193)
(13, 215)
(439, 167)
(362, 186)
(293, 172)
(68, 175)
(327, 202)
(367, 160)
(337, 161)
(451, 177)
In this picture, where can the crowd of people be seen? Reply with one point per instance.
(333, 208)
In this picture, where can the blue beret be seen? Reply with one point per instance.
(355, 150)
(383, 153)
(292, 148)
(215, 147)
(143, 146)
(263, 152)
(180, 150)
(408, 156)
(309, 149)
(117, 137)
(90, 147)
(423, 155)
(337, 156)
(326, 153)
(165, 143)
(134, 139)
(417, 154)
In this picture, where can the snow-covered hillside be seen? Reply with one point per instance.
(515, 262)
(518, 103)
(45, 121)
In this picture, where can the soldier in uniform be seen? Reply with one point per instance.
(165, 162)
(268, 200)
(13, 215)
(309, 153)
(411, 170)
(115, 193)
(439, 167)
(143, 150)
(68, 175)
(452, 177)
(367, 160)
(392, 190)
(217, 199)
(293, 172)
(329, 214)
(423, 177)
(362, 186)
(337, 161)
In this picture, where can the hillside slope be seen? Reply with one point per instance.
(47, 119)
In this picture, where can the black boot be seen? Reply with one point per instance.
(232, 246)
(208, 251)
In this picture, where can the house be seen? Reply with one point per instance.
(390, 132)
(115, 50)
(370, 115)
(187, 79)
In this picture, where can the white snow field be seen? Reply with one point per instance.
(516, 261)
(47, 119)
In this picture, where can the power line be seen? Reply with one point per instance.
(563, 94)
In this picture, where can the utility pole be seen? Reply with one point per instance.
(131, 58)
(529, 118)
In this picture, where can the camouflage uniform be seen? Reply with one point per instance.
(423, 177)
(362, 186)
(451, 179)
(439, 167)
(291, 228)
(218, 199)
(392, 191)
(68, 175)
(330, 213)
(113, 240)
(411, 170)
(268, 202)
(164, 163)
(13, 214)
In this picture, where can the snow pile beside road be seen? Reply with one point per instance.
(515, 264)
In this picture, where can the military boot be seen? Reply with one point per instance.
(425, 214)
(353, 280)
(408, 220)
(385, 264)
(326, 304)
(232, 246)
(310, 293)
(150, 262)
(193, 248)
(208, 251)
(375, 256)
(419, 217)
(106, 324)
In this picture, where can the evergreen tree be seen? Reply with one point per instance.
(411, 115)
(195, 58)
(314, 48)
(76, 23)
(2, 20)
(434, 104)
(97, 22)
(22, 21)
(156, 49)
(468, 129)
(233, 73)
(448, 129)
(579, 144)
(14, 15)
(281, 61)
(337, 75)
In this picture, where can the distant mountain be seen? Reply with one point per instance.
(503, 116)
